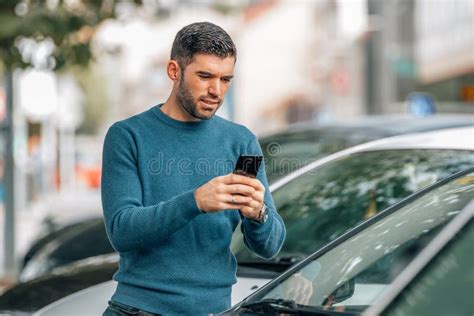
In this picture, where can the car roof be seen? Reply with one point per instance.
(453, 138)
(357, 229)
(461, 138)
(392, 124)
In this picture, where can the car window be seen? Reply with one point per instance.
(322, 204)
(285, 153)
(354, 273)
(445, 285)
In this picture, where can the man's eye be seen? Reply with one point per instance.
(204, 76)
(226, 80)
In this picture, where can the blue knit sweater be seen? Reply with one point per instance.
(173, 257)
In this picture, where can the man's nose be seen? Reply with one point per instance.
(215, 88)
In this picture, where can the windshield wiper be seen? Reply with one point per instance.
(289, 260)
(276, 265)
(285, 261)
(270, 305)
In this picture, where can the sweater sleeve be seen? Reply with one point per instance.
(264, 239)
(130, 225)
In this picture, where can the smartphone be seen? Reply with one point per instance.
(248, 165)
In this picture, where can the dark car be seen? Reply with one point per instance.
(35, 294)
(350, 274)
(76, 241)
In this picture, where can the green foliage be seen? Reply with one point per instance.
(70, 28)
(93, 84)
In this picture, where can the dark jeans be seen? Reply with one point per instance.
(119, 309)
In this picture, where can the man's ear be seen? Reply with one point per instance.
(173, 70)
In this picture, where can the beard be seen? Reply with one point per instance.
(186, 101)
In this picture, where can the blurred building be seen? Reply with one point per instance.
(389, 50)
(295, 61)
(47, 113)
(420, 46)
(135, 52)
(273, 77)
(296, 64)
(444, 52)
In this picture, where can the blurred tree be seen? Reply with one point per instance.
(45, 34)
(93, 83)
(68, 24)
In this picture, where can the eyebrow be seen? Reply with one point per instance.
(205, 73)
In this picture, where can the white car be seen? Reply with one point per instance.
(324, 199)
(356, 271)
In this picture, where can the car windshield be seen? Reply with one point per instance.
(322, 204)
(351, 276)
(287, 152)
(444, 286)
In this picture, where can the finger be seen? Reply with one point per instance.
(305, 299)
(237, 199)
(233, 178)
(255, 205)
(299, 287)
(309, 288)
(306, 291)
(258, 196)
(309, 294)
(258, 185)
(298, 296)
(230, 206)
(302, 296)
(291, 293)
(249, 212)
(240, 189)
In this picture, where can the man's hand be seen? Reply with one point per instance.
(299, 289)
(231, 192)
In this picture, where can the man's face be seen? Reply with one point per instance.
(203, 85)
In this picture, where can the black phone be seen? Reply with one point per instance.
(248, 165)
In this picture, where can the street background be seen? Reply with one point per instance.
(72, 68)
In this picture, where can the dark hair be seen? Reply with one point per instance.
(204, 38)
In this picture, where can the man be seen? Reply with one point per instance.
(170, 200)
